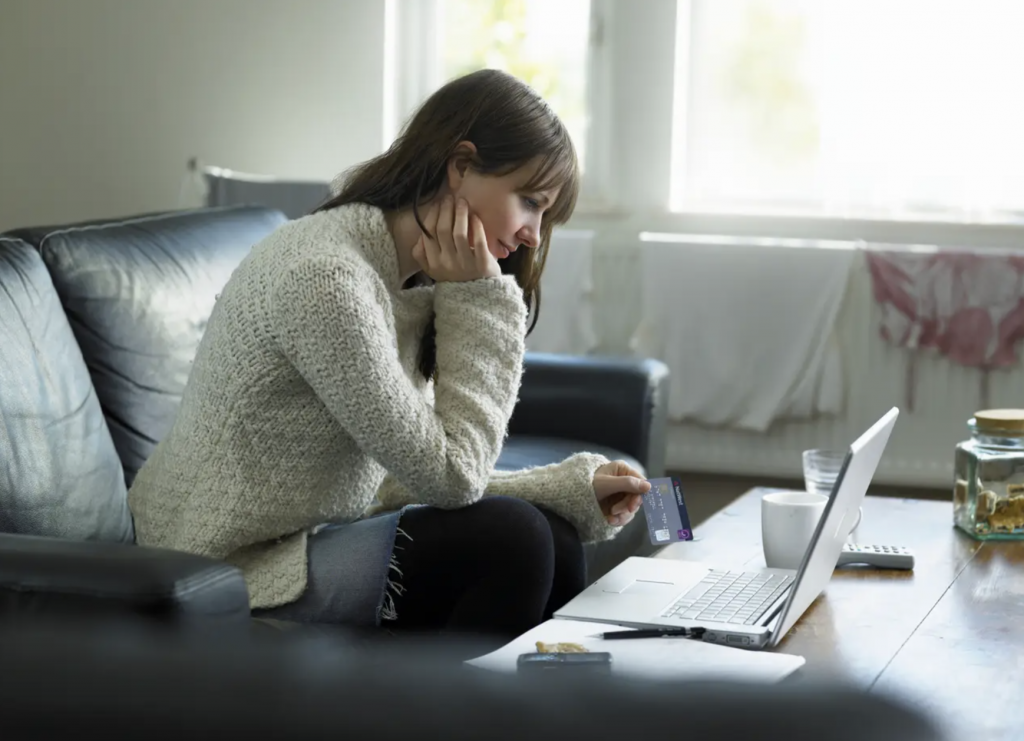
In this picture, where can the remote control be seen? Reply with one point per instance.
(882, 556)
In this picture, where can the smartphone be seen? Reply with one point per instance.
(665, 510)
(599, 662)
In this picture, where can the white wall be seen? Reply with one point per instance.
(102, 102)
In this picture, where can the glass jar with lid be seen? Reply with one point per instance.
(988, 493)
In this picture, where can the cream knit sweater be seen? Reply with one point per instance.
(305, 391)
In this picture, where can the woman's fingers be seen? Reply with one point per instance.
(429, 247)
(443, 234)
(430, 220)
(630, 503)
(619, 468)
(477, 236)
(486, 264)
(419, 253)
(455, 249)
(621, 511)
(619, 520)
(606, 486)
(624, 469)
(460, 230)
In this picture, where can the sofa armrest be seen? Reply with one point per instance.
(52, 577)
(621, 403)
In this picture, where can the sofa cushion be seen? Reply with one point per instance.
(139, 293)
(60, 475)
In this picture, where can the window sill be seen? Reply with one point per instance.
(995, 234)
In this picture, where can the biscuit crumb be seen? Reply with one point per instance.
(560, 648)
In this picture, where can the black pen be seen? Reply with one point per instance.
(654, 633)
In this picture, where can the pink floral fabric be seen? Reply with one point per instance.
(969, 307)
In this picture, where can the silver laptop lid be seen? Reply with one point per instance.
(839, 516)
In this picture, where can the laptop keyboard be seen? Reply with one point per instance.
(736, 597)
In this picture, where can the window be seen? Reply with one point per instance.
(542, 42)
(851, 107)
(847, 108)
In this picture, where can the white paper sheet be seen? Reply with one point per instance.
(658, 658)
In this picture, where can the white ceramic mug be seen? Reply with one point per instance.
(788, 520)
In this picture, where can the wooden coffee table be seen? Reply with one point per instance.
(947, 637)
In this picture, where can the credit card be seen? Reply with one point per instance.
(667, 519)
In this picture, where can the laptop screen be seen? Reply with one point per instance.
(836, 521)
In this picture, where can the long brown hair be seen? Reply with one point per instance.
(510, 125)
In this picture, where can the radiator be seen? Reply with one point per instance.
(920, 451)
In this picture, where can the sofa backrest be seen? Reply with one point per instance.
(59, 473)
(138, 294)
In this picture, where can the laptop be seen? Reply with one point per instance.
(748, 609)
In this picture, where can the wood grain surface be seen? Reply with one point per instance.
(948, 637)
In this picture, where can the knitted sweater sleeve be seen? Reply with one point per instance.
(331, 322)
(566, 488)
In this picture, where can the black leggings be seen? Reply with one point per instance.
(497, 567)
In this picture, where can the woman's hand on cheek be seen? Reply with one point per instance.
(619, 489)
(455, 246)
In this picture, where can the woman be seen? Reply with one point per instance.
(374, 349)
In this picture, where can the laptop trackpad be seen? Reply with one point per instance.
(638, 586)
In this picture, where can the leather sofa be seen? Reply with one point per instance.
(99, 323)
